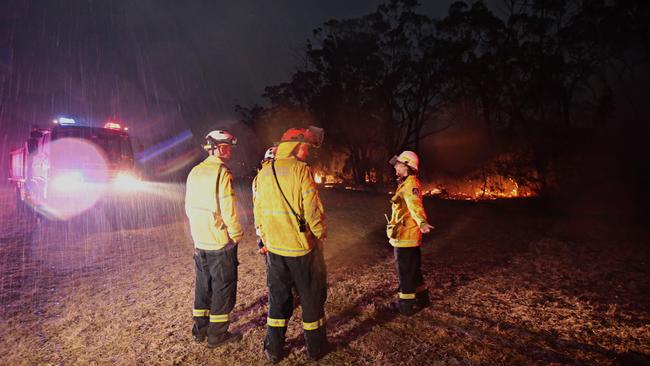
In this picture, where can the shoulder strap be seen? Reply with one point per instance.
(217, 188)
(301, 221)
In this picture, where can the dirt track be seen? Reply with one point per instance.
(510, 284)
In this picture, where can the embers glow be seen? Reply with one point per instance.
(488, 188)
(321, 177)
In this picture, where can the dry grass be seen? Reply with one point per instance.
(509, 286)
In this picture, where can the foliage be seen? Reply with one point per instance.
(383, 82)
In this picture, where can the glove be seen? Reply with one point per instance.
(262, 249)
(425, 228)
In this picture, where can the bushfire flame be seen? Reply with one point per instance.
(486, 188)
(491, 187)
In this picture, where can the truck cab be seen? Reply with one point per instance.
(72, 165)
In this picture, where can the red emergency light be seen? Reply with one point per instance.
(113, 126)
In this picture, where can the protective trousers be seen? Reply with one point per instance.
(308, 275)
(412, 289)
(215, 291)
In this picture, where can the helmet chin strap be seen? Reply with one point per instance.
(222, 151)
(214, 151)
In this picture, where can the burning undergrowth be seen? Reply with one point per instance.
(478, 188)
(503, 177)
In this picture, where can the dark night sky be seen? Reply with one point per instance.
(145, 60)
(161, 66)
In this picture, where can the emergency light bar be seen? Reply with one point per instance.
(64, 121)
(113, 126)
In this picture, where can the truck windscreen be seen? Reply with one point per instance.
(115, 144)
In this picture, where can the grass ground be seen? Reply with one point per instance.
(511, 283)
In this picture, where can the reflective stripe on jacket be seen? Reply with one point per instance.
(274, 221)
(213, 224)
(407, 214)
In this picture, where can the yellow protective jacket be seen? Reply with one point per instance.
(407, 214)
(212, 215)
(274, 222)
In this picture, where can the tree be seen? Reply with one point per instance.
(529, 74)
(374, 81)
(382, 82)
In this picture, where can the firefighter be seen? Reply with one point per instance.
(290, 220)
(210, 205)
(407, 224)
(269, 155)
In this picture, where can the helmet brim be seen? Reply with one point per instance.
(219, 137)
(393, 160)
(318, 135)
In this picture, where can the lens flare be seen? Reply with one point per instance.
(77, 179)
(68, 182)
(127, 182)
(182, 161)
(164, 146)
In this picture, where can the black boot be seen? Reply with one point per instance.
(407, 307)
(199, 337)
(317, 345)
(199, 334)
(273, 344)
(404, 307)
(422, 299)
(273, 356)
(224, 338)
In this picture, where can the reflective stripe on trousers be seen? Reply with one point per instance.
(219, 318)
(200, 312)
(314, 325)
(271, 322)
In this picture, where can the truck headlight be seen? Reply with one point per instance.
(68, 182)
(125, 181)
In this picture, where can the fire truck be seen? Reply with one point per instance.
(63, 170)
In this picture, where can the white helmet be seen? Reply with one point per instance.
(218, 137)
(270, 153)
(407, 157)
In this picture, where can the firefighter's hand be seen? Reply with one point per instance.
(425, 228)
(262, 249)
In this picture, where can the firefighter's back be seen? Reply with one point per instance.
(278, 223)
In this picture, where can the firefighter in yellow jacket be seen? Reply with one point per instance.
(289, 219)
(407, 224)
(210, 206)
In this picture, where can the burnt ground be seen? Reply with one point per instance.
(512, 282)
